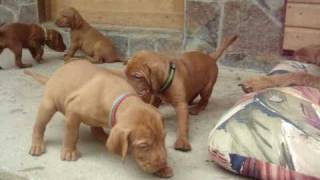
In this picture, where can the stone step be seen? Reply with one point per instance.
(129, 40)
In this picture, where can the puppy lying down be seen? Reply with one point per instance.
(97, 97)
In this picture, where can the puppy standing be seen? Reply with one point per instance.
(86, 38)
(17, 36)
(89, 98)
(177, 82)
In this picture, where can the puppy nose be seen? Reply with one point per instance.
(162, 163)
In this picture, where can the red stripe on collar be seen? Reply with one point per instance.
(115, 106)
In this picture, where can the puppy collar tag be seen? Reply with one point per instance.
(169, 79)
(115, 106)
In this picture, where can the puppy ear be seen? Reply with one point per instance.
(118, 141)
(150, 76)
(77, 19)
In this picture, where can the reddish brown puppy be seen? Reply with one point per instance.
(177, 82)
(16, 36)
(86, 38)
(309, 54)
(95, 98)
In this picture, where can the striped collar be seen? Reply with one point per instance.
(168, 82)
(115, 106)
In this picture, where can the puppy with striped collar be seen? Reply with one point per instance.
(100, 98)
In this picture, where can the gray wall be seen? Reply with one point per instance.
(18, 10)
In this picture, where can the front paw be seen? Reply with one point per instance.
(195, 110)
(70, 154)
(22, 66)
(37, 149)
(182, 144)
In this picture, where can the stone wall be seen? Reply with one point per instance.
(207, 22)
(257, 22)
(19, 11)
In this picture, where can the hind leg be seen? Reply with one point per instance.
(202, 104)
(17, 50)
(45, 113)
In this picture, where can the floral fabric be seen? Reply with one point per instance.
(271, 134)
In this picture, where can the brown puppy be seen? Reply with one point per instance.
(194, 74)
(309, 54)
(17, 36)
(88, 98)
(281, 80)
(86, 38)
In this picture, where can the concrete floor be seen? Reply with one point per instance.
(20, 97)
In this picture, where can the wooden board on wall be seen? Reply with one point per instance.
(303, 15)
(296, 38)
(302, 24)
(143, 13)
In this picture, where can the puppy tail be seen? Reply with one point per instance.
(38, 77)
(218, 53)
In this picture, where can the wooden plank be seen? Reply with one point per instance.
(303, 15)
(305, 1)
(295, 38)
(144, 13)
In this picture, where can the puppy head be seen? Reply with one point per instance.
(55, 41)
(69, 17)
(145, 138)
(146, 72)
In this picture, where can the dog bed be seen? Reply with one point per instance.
(272, 134)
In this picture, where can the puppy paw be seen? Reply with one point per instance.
(70, 154)
(164, 173)
(182, 145)
(37, 149)
(22, 66)
(195, 110)
(254, 85)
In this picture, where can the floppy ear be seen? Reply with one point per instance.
(118, 141)
(77, 19)
(155, 72)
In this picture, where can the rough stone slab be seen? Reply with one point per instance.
(203, 25)
(258, 35)
(6, 15)
(166, 45)
(29, 14)
(138, 44)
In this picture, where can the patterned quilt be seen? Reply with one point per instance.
(272, 134)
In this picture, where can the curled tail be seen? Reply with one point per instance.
(218, 53)
(38, 77)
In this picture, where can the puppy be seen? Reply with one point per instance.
(177, 82)
(309, 54)
(90, 98)
(97, 46)
(17, 36)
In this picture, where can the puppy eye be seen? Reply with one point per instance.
(144, 146)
